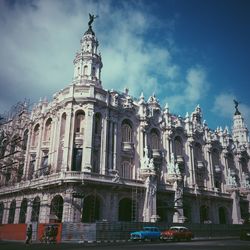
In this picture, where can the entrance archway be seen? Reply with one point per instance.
(91, 209)
(125, 210)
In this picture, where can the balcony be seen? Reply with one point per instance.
(78, 138)
(200, 165)
(128, 147)
(180, 159)
(217, 169)
(156, 153)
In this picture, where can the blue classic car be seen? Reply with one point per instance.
(148, 233)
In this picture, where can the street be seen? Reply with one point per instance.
(228, 244)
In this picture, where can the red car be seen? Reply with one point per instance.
(177, 233)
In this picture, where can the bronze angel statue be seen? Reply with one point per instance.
(91, 19)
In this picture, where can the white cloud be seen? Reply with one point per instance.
(39, 42)
(190, 90)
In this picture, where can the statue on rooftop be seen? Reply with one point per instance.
(91, 19)
(236, 104)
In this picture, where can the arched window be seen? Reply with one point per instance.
(127, 131)
(77, 159)
(13, 144)
(216, 159)
(1, 212)
(230, 159)
(126, 170)
(56, 208)
(35, 135)
(25, 139)
(98, 123)
(85, 70)
(199, 165)
(178, 146)
(47, 131)
(12, 212)
(93, 71)
(23, 211)
(3, 148)
(91, 209)
(244, 165)
(35, 210)
(63, 124)
(198, 152)
(79, 122)
(155, 139)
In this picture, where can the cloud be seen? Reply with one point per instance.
(191, 90)
(39, 40)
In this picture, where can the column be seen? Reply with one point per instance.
(236, 215)
(191, 163)
(6, 212)
(44, 209)
(68, 135)
(29, 211)
(115, 145)
(68, 210)
(17, 212)
(110, 138)
(104, 138)
(88, 136)
(210, 166)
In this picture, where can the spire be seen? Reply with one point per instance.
(88, 62)
(239, 129)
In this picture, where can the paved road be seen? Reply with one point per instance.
(193, 245)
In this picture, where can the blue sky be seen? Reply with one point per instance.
(187, 52)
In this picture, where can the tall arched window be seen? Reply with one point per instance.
(35, 135)
(3, 148)
(127, 131)
(178, 146)
(56, 207)
(12, 212)
(199, 165)
(47, 131)
(25, 139)
(85, 70)
(35, 210)
(23, 211)
(79, 122)
(63, 124)
(126, 170)
(244, 165)
(230, 160)
(98, 123)
(91, 209)
(155, 139)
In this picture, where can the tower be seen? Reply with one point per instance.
(239, 129)
(88, 62)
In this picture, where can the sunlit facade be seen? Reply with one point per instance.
(93, 154)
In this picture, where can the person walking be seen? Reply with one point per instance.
(29, 234)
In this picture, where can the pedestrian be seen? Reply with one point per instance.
(29, 234)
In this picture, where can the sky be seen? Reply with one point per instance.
(186, 52)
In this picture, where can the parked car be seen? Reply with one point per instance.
(177, 233)
(148, 233)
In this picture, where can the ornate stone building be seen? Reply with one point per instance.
(93, 154)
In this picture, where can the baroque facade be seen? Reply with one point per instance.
(93, 154)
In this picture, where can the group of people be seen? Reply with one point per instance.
(48, 236)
